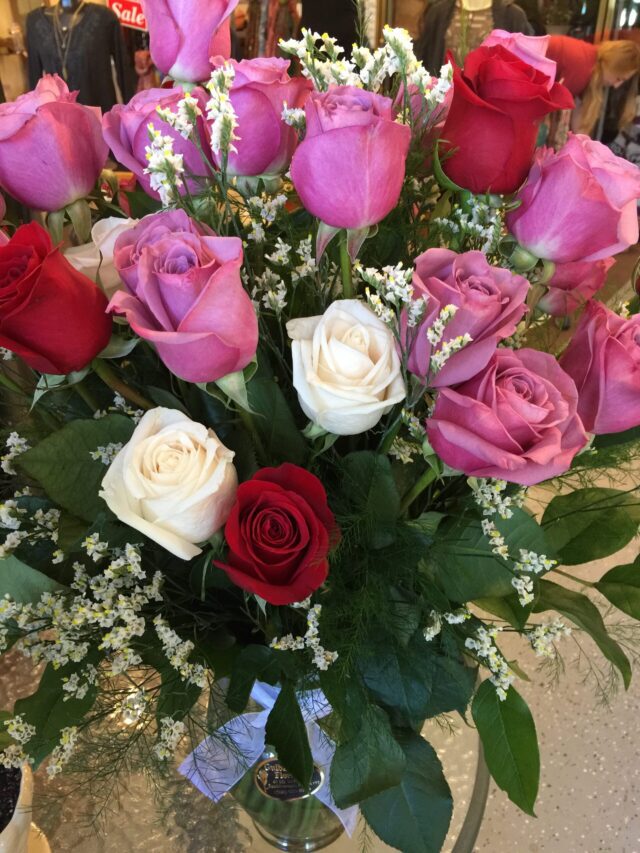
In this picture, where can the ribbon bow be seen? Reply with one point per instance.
(223, 758)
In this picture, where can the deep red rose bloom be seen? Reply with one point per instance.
(279, 533)
(492, 124)
(50, 315)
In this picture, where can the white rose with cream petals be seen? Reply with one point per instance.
(174, 481)
(346, 368)
(96, 257)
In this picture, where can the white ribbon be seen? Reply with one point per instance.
(222, 759)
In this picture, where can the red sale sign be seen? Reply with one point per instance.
(130, 13)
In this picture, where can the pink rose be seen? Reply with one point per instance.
(573, 284)
(603, 359)
(349, 169)
(578, 204)
(530, 49)
(184, 294)
(125, 128)
(516, 420)
(185, 34)
(260, 90)
(51, 148)
(491, 302)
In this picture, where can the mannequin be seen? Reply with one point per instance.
(461, 25)
(77, 40)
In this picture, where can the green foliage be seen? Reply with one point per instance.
(510, 743)
(63, 466)
(621, 586)
(274, 423)
(22, 583)
(176, 697)
(51, 710)
(591, 523)
(508, 608)
(287, 733)
(413, 816)
(5, 738)
(462, 561)
(585, 615)
(452, 685)
(369, 762)
(369, 488)
(615, 439)
(255, 662)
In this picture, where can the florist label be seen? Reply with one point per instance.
(129, 13)
(275, 782)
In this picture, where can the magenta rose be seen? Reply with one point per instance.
(261, 88)
(491, 302)
(51, 148)
(530, 49)
(349, 169)
(184, 294)
(516, 420)
(185, 34)
(573, 284)
(603, 359)
(578, 204)
(125, 128)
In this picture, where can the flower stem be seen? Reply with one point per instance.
(345, 267)
(572, 578)
(427, 478)
(83, 392)
(109, 377)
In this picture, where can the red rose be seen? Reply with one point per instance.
(492, 124)
(50, 315)
(279, 533)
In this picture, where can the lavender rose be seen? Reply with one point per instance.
(573, 284)
(516, 420)
(51, 148)
(125, 128)
(603, 359)
(349, 169)
(490, 303)
(185, 34)
(592, 196)
(184, 294)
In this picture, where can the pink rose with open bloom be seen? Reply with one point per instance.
(125, 128)
(573, 284)
(260, 90)
(349, 169)
(530, 49)
(184, 294)
(185, 34)
(516, 420)
(578, 204)
(603, 359)
(51, 148)
(491, 302)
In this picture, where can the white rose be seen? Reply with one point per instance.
(86, 258)
(346, 369)
(174, 481)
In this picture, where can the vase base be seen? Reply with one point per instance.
(299, 845)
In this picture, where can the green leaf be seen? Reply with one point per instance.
(591, 523)
(452, 685)
(22, 583)
(254, 662)
(56, 382)
(413, 816)
(119, 347)
(176, 697)
(615, 439)
(508, 608)
(368, 763)
(70, 531)
(63, 466)
(464, 564)
(585, 615)
(80, 215)
(274, 422)
(621, 586)
(140, 204)
(234, 385)
(510, 743)
(47, 710)
(287, 733)
(165, 398)
(370, 489)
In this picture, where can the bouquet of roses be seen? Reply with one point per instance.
(273, 416)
